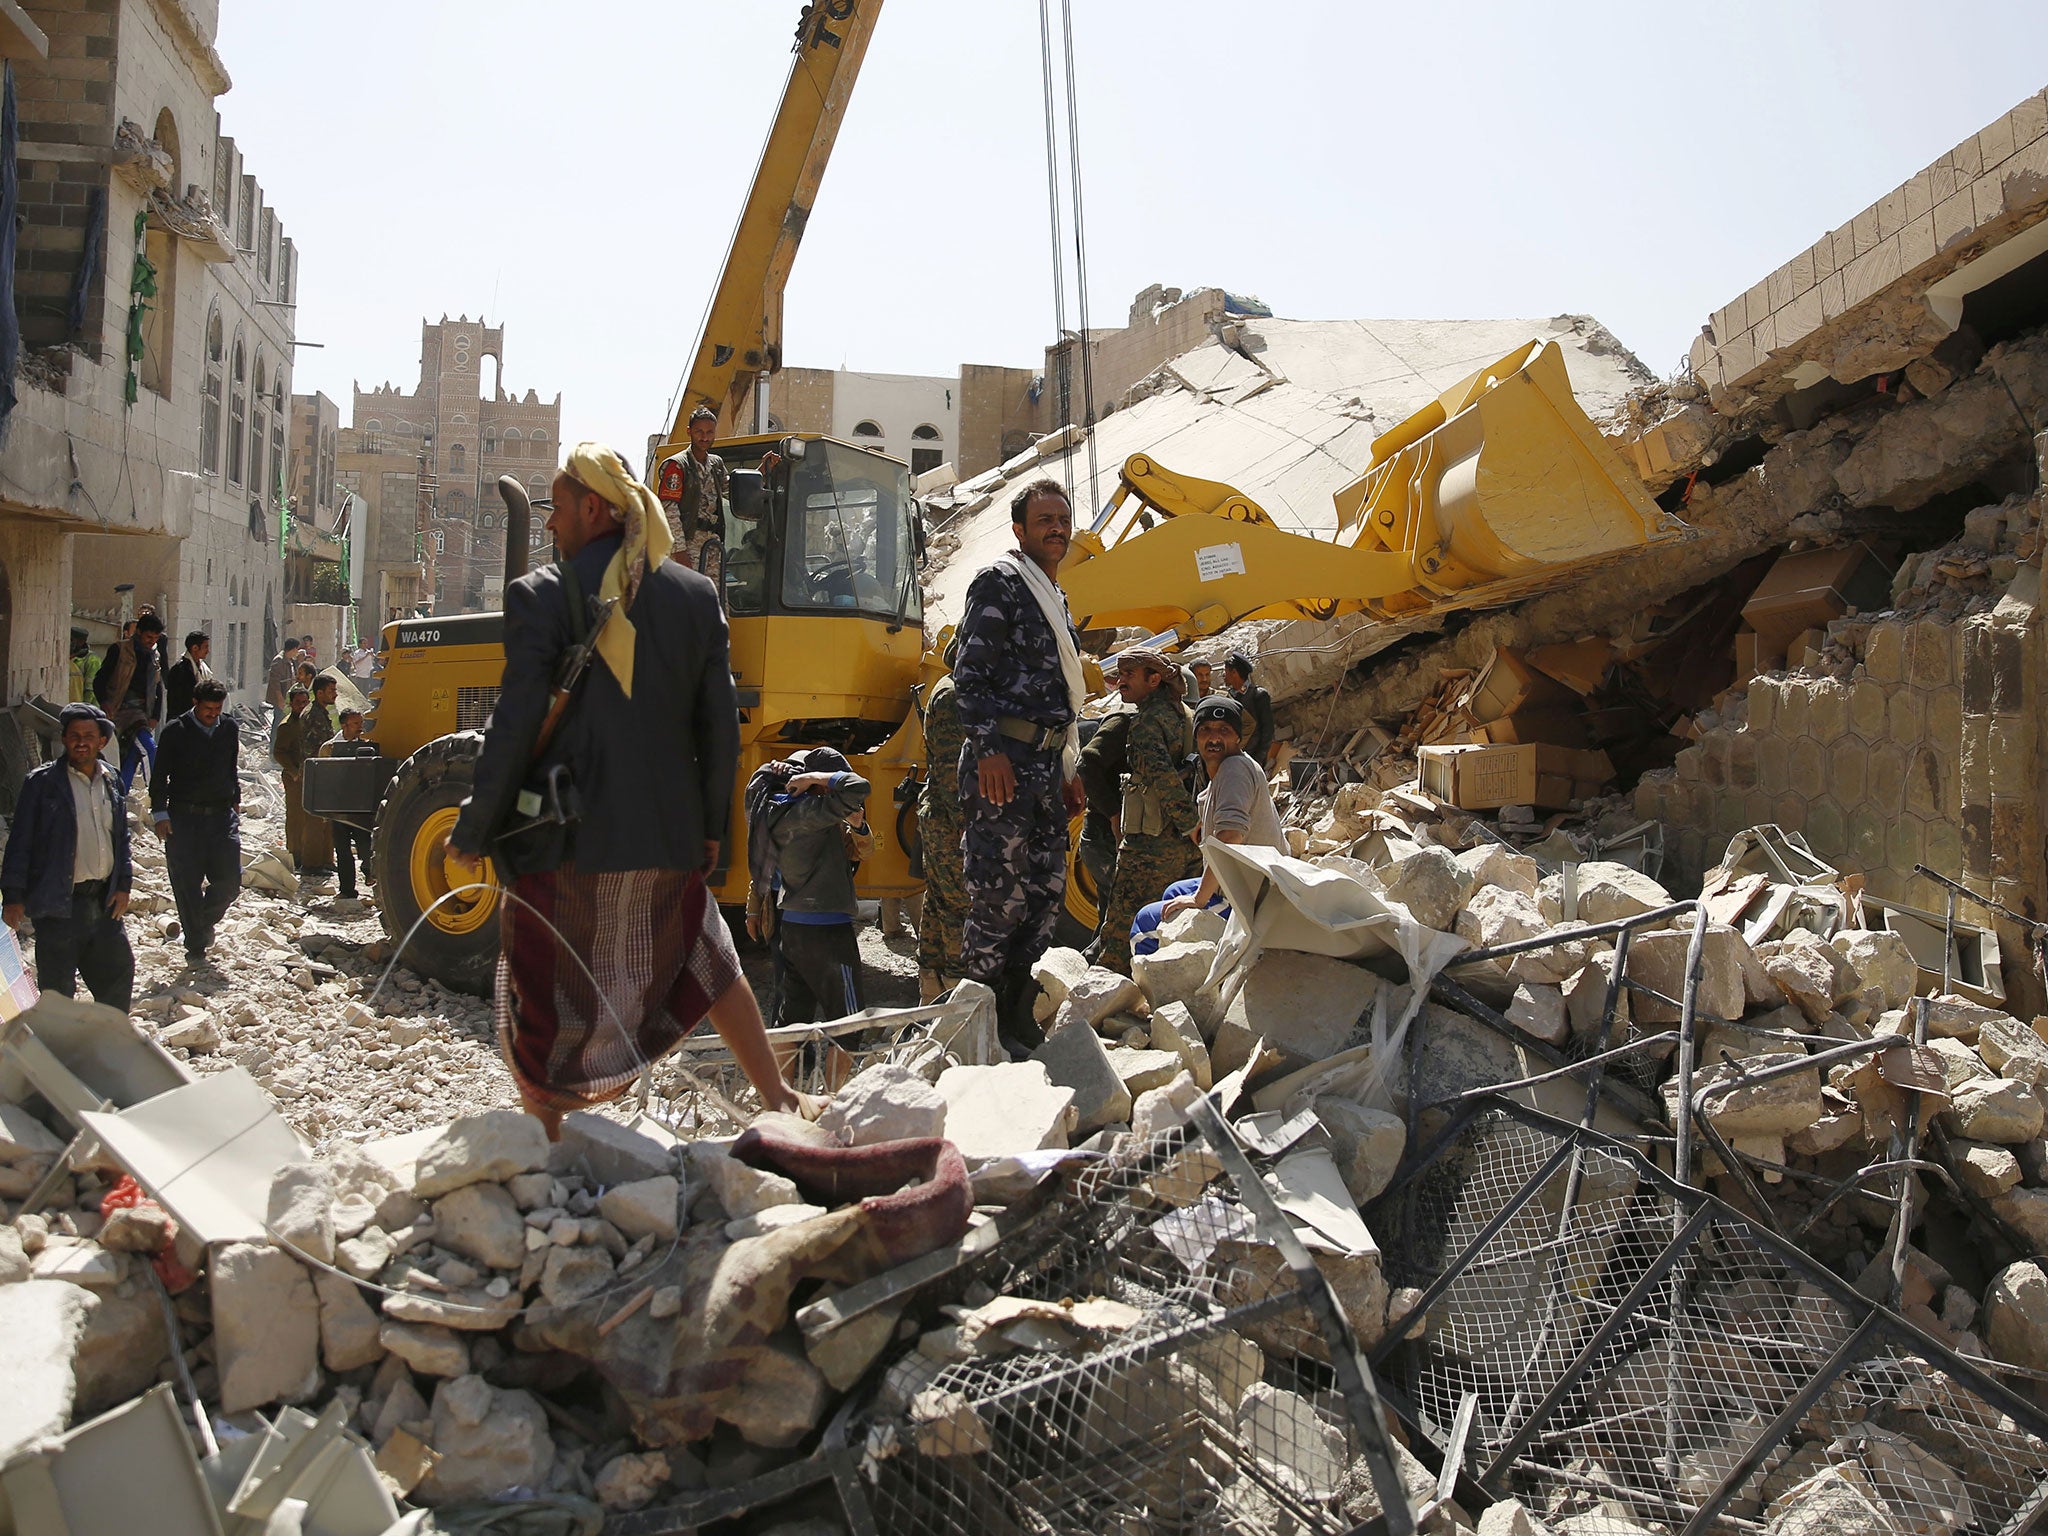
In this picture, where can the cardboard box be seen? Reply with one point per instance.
(1549, 727)
(1487, 778)
(1805, 590)
(1507, 684)
(1581, 665)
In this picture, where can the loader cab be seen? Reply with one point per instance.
(829, 529)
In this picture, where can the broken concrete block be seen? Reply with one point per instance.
(301, 1213)
(1983, 1167)
(630, 1481)
(2013, 1050)
(1833, 1501)
(1609, 892)
(1491, 864)
(1510, 1517)
(1230, 1361)
(1808, 971)
(428, 1348)
(1159, 1109)
(1097, 994)
(472, 1310)
(1367, 1144)
(884, 1103)
(1658, 960)
(1778, 1107)
(1056, 971)
(843, 1354)
(1434, 885)
(266, 1326)
(1197, 925)
(1881, 960)
(1496, 915)
(481, 1222)
(1075, 1058)
(1585, 999)
(612, 1152)
(365, 1255)
(508, 1446)
(122, 1351)
(571, 1275)
(2016, 1315)
(1144, 1070)
(1995, 1109)
(644, 1208)
(349, 1329)
(402, 1405)
(26, 1146)
(14, 1262)
(1959, 1061)
(196, 1032)
(492, 1146)
(41, 1324)
(782, 1398)
(1005, 1109)
(141, 1228)
(1174, 1029)
(1235, 1046)
(1173, 973)
(1304, 1006)
(2026, 1212)
(1538, 1010)
(739, 1189)
(1290, 1439)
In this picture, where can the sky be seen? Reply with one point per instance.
(573, 172)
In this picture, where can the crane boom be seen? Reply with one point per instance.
(742, 340)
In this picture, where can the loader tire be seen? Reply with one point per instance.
(457, 945)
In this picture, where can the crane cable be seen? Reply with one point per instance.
(1064, 397)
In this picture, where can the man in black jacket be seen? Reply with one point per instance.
(1257, 705)
(195, 799)
(67, 866)
(182, 678)
(130, 689)
(650, 743)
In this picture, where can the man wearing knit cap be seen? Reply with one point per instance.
(67, 866)
(1154, 843)
(611, 947)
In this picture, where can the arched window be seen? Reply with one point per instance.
(167, 141)
(277, 422)
(866, 429)
(458, 460)
(259, 428)
(487, 522)
(926, 433)
(210, 397)
(440, 543)
(238, 411)
(490, 440)
(373, 425)
(511, 437)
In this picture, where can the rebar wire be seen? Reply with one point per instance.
(1080, 253)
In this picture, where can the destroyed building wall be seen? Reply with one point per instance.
(1000, 412)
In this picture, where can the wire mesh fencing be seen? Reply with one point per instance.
(1624, 1347)
(1161, 1354)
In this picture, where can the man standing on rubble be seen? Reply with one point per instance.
(195, 799)
(67, 866)
(1236, 807)
(349, 842)
(1257, 705)
(130, 690)
(941, 920)
(1157, 816)
(278, 681)
(1020, 689)
(612, 949)
(1103, 762)
(182, 678)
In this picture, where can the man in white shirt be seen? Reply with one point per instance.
(67, 866)
(1237, 807)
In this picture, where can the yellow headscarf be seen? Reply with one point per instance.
(647, 542)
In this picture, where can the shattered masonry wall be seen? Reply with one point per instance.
(1926, 755)
(997, 416)
(36, 558)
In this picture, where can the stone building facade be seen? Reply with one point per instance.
(153, 285)
(427, 464)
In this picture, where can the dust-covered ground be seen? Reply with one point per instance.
(296, 992)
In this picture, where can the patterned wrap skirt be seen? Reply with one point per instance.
(600, 975)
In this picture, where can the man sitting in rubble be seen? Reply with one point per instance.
(800, 897)
(1236, 807)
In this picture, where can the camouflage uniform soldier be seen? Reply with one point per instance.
(941, 929)
(1019, 687)
(1154, 845)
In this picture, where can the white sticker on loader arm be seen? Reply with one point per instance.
(1218, 561)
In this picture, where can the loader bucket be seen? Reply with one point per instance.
(1502, 477)
(1498, 489)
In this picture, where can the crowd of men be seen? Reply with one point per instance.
(611, 947)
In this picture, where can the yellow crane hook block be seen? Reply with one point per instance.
(1499, 488)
